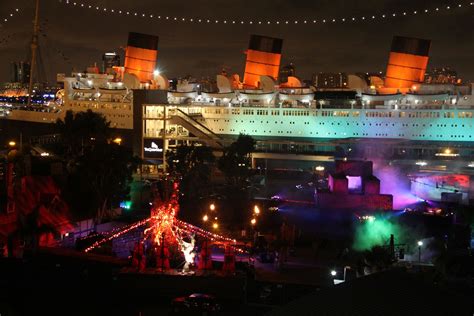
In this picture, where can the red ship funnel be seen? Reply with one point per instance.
(263, 59)
(140, 55)
(407, 62)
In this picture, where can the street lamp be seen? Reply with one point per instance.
(256, 210)
(212, 207)
(215, 225)
(333, 273)
(12, 143)
(253, 221)
(420, 243)
(205, 218)
(117, 140)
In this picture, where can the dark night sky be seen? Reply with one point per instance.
(82, 35)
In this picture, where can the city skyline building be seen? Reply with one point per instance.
(20, 72)
(330, 80)
(109, 61)
(442, 75)
(287, 71)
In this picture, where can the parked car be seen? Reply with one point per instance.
(196, 304)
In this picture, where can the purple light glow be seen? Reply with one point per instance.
(393, 181)
(354, 183)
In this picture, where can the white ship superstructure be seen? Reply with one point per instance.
(84, 91)
(415, 111)
(432, 113)
(440, 114)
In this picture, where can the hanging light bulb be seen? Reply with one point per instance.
(259, 22)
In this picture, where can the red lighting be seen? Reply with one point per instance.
(164, 225)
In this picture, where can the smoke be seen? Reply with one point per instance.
(426, 253)
(395, 182)
(375, 232)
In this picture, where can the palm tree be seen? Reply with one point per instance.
(235, 163)
(193, 164)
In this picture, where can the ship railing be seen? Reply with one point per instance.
(259, 105)
(118, 99)
(36, 109)
(206, 103)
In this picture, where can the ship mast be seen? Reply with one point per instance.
(34, 48)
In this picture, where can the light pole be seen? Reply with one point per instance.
(253, 221)
(420, 243)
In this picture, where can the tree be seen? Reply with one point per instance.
(193, 164)
(80, 130)
(99, 170)
(235, 162)
(105, 174)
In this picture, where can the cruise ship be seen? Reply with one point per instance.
(398, 107)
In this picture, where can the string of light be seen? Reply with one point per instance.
(163, 220)
(211, 236)
(5, 19)
(115, 233)
(209, 20)
(184, 226)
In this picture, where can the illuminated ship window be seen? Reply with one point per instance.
(449, 115)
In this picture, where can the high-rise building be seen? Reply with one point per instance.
(442, 75)
(287, 71)
(110, 60)
(331, 80)
(20, 72)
